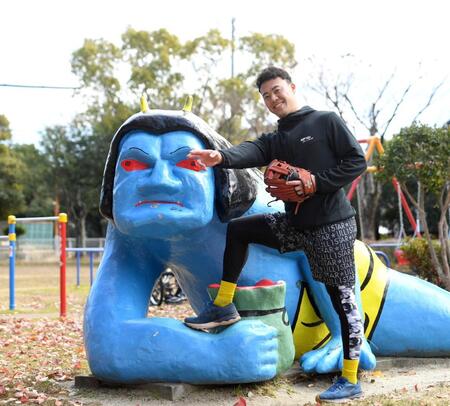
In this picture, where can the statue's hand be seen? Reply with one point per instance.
(248, 350)
(329, 358)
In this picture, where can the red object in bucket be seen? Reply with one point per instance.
(400, 257)
(265, 282)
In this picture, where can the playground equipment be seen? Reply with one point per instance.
(382, 255)
(61, 219)
(166, 289)
(374, 143)
(91, 252)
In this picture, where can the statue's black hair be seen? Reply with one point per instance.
(235, 189)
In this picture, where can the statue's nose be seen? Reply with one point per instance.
(161, 179)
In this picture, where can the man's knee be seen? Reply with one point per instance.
(235, 228)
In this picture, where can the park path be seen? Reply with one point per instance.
(420, 380)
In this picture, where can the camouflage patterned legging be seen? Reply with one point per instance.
(344, 302)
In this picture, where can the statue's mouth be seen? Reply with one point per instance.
(157, 202)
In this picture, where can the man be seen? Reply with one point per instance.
(323, 225)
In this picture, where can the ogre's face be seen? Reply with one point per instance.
(158, 193)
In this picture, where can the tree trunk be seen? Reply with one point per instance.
(443, 238)
(443, 234)
(370, 194)
(444, 277)
(79, 214)
(80, 230)
(420, 206)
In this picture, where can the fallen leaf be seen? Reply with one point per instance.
(240, 402)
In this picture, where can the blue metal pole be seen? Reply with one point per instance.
(12, 260)
(91, 267)
(386, 259)
(78, 268)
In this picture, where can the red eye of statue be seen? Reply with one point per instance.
(133, 165)
(192, 164)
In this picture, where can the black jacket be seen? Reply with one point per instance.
(315, 140)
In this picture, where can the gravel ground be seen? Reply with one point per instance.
(423, 385)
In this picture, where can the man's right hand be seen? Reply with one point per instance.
(208, 157)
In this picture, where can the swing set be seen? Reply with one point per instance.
(374, 143)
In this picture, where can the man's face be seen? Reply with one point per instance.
(158, 193)
(279, 97)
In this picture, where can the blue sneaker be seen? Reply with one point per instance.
(340, 392)
(214, 316)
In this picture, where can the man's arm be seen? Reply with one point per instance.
(249, 154)
(351, 160)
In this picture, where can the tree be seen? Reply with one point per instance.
(233, 105)
(156, 63)
(71, 174)
(161, 66)
(422, 154)
(11, 190)
(38, 197)
(373, 112)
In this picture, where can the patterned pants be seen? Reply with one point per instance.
(329, 250)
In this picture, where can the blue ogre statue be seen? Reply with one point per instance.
(165, 210)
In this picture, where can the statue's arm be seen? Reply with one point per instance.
(123, 345)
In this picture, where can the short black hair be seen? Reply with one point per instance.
(272, 72)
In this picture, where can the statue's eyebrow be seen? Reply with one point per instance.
(146, 153)
(173, 152)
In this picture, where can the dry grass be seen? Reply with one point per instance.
(37, 288)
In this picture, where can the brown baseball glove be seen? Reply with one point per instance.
(279, 172)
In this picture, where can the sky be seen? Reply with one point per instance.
(412, 39)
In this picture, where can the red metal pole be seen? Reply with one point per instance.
(353, 188)
(410, 216)
(62, 222)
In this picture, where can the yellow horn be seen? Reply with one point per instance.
(144, 104)
(188, 104)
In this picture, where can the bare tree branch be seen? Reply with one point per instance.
(347, 99)
(374, 112)
(332, 94)
(405, 189)
(380, 95)
(394, 113)
(433, 93)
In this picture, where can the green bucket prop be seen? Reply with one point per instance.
(266, 302)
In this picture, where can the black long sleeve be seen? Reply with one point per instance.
(349, 156)
(249, 154)
(317, 141)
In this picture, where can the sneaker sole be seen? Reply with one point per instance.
(344, 400)
(212, 324)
